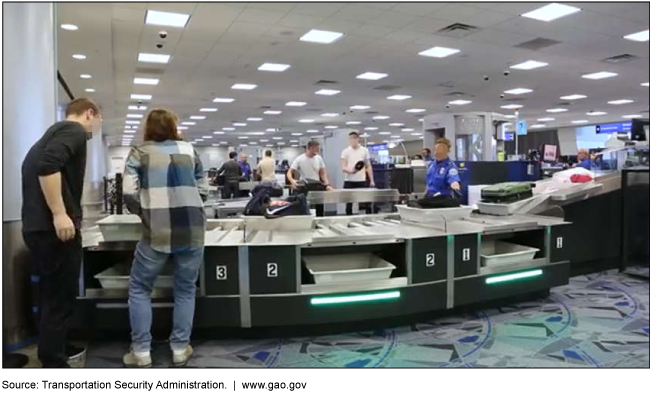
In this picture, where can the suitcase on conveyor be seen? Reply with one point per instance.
(507, 192)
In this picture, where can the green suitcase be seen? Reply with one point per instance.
(507, 192)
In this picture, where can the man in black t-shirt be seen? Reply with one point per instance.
(52, 182)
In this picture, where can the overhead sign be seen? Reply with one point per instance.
(509, 136)
(614, 128)
(378, 147)
(522, 127)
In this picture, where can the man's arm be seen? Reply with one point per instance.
(344, 166)
(371, 175)
(131, 182)
(51, 187)
(324, 178)
(201, 181)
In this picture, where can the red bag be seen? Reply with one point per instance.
(580, 178)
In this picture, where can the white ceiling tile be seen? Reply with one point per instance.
(318, 9)
(394, 19)
(487, 19)
(253, 15)
(294, 19)
(357, 13)
(279, 7)
(125, 14)
(428, 25)
(404, 36)
(456, 12)
(382, 6)
(418, 9)
(373, 31)
(184, 8)
(341, 26)
(498, 37)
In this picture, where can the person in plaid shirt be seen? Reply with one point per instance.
(164, 185)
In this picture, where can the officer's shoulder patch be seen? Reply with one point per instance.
(453, 171)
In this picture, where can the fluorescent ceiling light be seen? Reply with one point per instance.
(243, 86)
(224, 142)
(133, 122)
(199, 140)
(85, 76)
(273, 67)
(439, 52)
(327, 92)
(270, 129)
(364, 135)
(129, 131)
(620, 102)
(641, 36)
(359, 107)
(208, 110)
(512, 106)
(580, 121)
(513, 276)
(294, 141)
(331, 127)
(218, 133)
(330, 114)
(518, 91)
(644, 84)
(382, 117)
(295, 103)
(269, 145)
(557, 110)
(206, 137)
(254, 119)
(529, 65)
(153, 58)
(137, 108)
(321, 36)
(272, 112)
(398, 97)
(297, 134)
(600, 75)
(416, 134)
(395, 136)
(312, 131)
(537, 126)
(264, 140)
(371, 128)
(372, 76)
(352, 122)
(415, 110)
(134, 115)
(141, 96)
(89, 90)
(632, 116)
(181, 128)
(171, 19)
(407, 130)
(306, 120)
(277, 138)
(243, 137)
(79, 56)
(573, 97)
(228, 128)
(396, 124)
(239, 124)
(197, 117)
(459, 102)
(281, 143)
(546, 119)
(551, 12)
(252, 143)
(67, 26)
(188, 123)
(596, 113)
(223, 99)
(256, 133)
(510, 116)
(145, 81)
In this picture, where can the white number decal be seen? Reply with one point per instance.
(222, 272)
(271, 270)
(466, 254)
(558, 242)
(431, 260)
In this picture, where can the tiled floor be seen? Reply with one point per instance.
(599, 320)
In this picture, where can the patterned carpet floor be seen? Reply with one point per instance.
(598, 320)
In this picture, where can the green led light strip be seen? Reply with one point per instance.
(513, 276)
(346, 299)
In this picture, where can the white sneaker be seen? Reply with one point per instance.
(180, 358)
(137, 360)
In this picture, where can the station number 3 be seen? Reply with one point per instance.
(222, 272)
(271, 270)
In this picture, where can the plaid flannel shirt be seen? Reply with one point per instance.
(164, 184)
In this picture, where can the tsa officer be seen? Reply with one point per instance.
(442, 175)
(584, 159)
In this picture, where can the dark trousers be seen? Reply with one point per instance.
(362, 206)
(230, 190)
(58, 264)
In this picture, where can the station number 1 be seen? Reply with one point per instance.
(271, 270)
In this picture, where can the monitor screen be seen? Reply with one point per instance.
(638, 132)
(549, 153)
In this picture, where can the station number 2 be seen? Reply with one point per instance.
(431, 260)
(222, 272)
(271, 270)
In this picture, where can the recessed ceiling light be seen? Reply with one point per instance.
(459, 102)
(137, 108)
(264, 140)
(557, 110)
(79, 56)
(272, 112)
(421, 120)
(395, 136)
(384, 133)
(537, 126)
(620, 102)
(228, 128)
(371, 128)
(396, 124)
(331, 127)
(197, 117)
(239, 124)
(297, 134)
(181, 128)
(398, 97)
(269, 145)
(330, 114)
(224, 142)
(256, 133)
(353, 122)
(243, 137)
(188, 123)
(327, 92)
(277, 138)
(218, 133)
(252, 143)
(89, 90)
(407, 130)
(382, 117)
(254, 119)
(439, 52)
(153, 58)
(145, 81)
(295, 103)
(644, 84)
(600, 75)
(85, 76)
(208, 110)
(364, 135)
(294, 141)
(306, 120)
(546, 119)
(580, 121)
(67, 26)
(141, 96)
(372, 76)
(518, 91)
(632, 116)
(206, 137)
(321, 36)
(198, 140)
(274, 67)
(171, 19)
(359, 107)
(132, 122)
(243, 86)
(270, 130)
(641, 36)
(415, 110)
(551, 12)
(529, 65)
(512, 106)
(281, 143)
(596, 113)
(573, 97)
(416, 134)
(130, 131)
(312, 131)
(223, 99)
(134, 116)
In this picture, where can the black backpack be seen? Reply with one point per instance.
(259, 205)
(274, 190)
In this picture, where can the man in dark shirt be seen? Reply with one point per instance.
(232, 172)
(52, 182)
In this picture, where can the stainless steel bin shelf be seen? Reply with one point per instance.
(347, 268)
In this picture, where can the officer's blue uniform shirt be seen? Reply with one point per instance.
(440, 176)
(586, 163)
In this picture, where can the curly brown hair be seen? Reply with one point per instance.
(161, 126)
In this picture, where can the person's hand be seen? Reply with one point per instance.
(294, 185)
(372, 184)
(329, 188)
(64, 227)
(455, 186)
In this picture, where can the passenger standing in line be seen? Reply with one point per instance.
(232, 173)
(165, 186)
(266, 167)
(352, 156)
(52, 182)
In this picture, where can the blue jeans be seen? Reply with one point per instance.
(147, 265)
